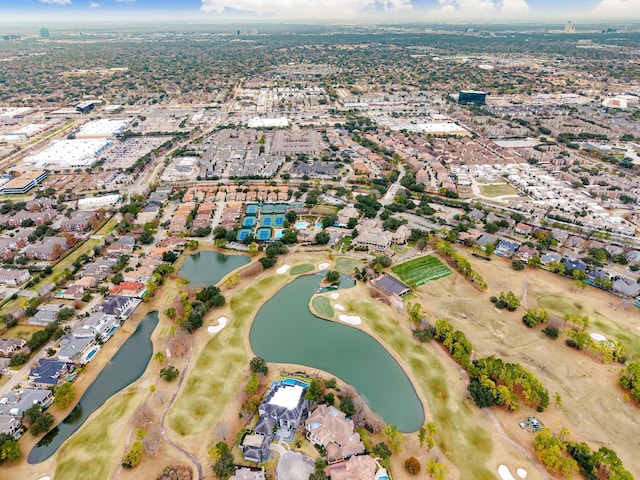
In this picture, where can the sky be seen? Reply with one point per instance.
(426, 11)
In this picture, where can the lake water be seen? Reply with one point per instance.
(285, 331)
(125, 367)
(208, 268)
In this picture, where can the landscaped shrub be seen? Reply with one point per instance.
(412, 465)
(551, 332)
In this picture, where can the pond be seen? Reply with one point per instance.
(208, 268)
(285, 331)
(125, 367)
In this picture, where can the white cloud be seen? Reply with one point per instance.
(307, 8)
(617, 9)
(57, 2)
(125, 1)
(481, 9)
(95, 5)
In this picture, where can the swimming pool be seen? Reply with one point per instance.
(92, 353)
(301, 224)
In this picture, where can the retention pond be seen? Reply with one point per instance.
(285, 331)
(125, 367)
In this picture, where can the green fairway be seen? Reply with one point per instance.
(347, 264)
(599, 323)
(91, 448)
(322, 306)
(303, 268)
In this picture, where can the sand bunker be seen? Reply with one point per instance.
(505, 473)
(352, 319)
(323, 266)
(45, 478)
(522, 473)
(598, 337)
(334, 295)
(337, 306)
(222, 322)
(283, 269)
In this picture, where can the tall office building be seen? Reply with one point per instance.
(472, 96)
(569, 28)
(44, 33)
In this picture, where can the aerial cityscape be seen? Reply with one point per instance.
(346, 240)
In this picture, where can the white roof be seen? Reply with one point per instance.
(287, 396)
(105, 127)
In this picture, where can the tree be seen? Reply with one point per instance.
(322, 238)
(329, 398)
(289, 237)
(551, 451)
(381, 450)
(169, 374)
(314, 391)
(258, 365)
(394, 437)
(146, 237)
(267, 262)
(329, 220)
(291, 216)
(489, 248)
(65, 314)
(252, 384)
(535, 316)
(412, 465)
(41, 421)
(160, 357)
(332, 277)
(133, 457)
(346, 405)
(436, 470)
(64, 395)
(224, 465)
(9, 449)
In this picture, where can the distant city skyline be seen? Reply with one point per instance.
(307, 10)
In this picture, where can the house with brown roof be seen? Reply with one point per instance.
(129, 289)
(329, 427)
(361, 467)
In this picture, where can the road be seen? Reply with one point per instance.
(22, 374)
(393, 189)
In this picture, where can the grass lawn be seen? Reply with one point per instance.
(323, 210)
(347, 264)
(460, 435)
(598, 323)
(194, 412)
(302, 268)
(322, 306)
(421, 270)
(498, 190)
(21, 331)
(91, 449)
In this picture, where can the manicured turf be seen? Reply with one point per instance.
(303, 268)
(322, 306)
(421, 270)
(92, 448)
(347, 264)
(193, 412)
(467, 445)
(599, 323)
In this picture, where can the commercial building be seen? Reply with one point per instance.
(75, 153)
(472, 96)
(85, 107)
(24, 182)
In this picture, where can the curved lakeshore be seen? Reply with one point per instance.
(285, 331)
(126, 366)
